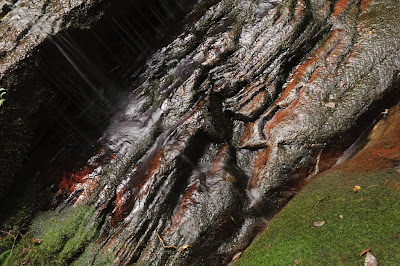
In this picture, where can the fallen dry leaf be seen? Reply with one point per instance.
(330, 104)
(356, 188)
(236, 256)
(36, 241)
(185, 247)
(370, 260)
(318, 223)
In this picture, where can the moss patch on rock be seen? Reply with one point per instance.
(55, 238)
(354, 221)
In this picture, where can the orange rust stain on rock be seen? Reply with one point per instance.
(335, 55)
(261, 162)
(118, 210)
(218, 163)
(299, 10)
(278, 117)
(383, 148)
(282, 114)
(365, 4)
(341, 7)
(125, 201)
(329, 157)
(248, 133)
(69, 181)
(283, 16)
(309, 64)
(184, 205)
(254, 102)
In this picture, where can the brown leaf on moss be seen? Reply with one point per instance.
(36, 241)
(318, 223)
(370, 260)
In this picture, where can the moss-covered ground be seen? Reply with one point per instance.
(354, 221)
(54, 238)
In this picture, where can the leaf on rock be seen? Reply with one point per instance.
(185, 247)
(318, 223)
(370, 260)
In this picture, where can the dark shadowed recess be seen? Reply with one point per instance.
(82, 77)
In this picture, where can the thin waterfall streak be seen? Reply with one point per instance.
(148, 20)
(73, 48)
(84, 105)
(97, 37)
(87, 98)
(129, 44)
(143, 41)
(66, 129)
(166, 9)
(180, 5)
(81, 92)
(76, 67)
(86, 63)
(129, 35)
(140, 26)
(72, 52)
(69, 93)
(72, 124)
(157, 16)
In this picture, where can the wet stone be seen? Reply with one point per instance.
(230, 119)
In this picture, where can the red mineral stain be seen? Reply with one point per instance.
(248, 133)
(68, 182)
(185, 203)
(219, 161)
(382, 150)
(282, 114)
(145, 171)
(283, 16)
(261, 162)
(297, 77)
(255, 102)
(365, 4)
(341, 6)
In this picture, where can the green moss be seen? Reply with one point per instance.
(371, 217)
(63, 236)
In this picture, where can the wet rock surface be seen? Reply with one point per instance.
(228, 121)
(64, 67)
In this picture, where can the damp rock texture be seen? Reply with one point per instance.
(24, 27)
(226, 122)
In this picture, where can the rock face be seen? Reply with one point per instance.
(225, 124)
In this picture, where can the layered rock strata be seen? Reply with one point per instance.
(228, 121)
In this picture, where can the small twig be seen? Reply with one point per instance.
(163, 244)
(13, 236)
(319, 201)
(365, 251)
